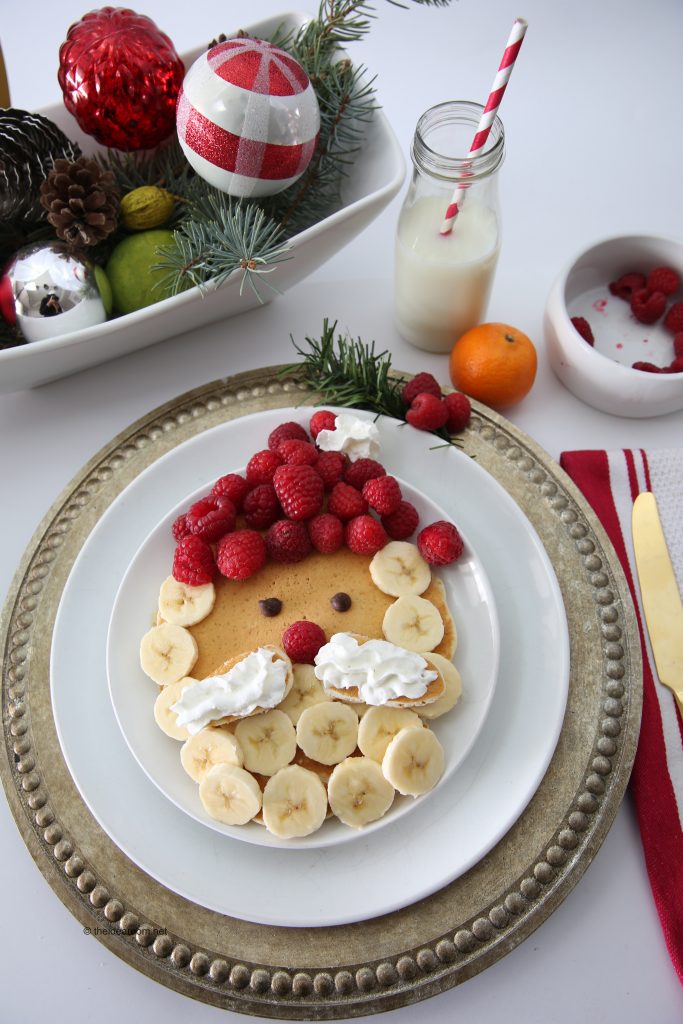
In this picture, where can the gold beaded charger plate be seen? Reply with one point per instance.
(382, 963)
(366, 887)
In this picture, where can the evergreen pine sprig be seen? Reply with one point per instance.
(219, 236)
(348, 372)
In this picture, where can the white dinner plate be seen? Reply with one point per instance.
(133, 694)
(412, 857)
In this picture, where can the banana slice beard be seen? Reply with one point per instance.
(230, 794)
(306, 691)
(167, 653)
(398, 569)
(414, 623)
(183, 605)
(207, 748)
(359, 792)
(267, 741)
(165, 718)
(294, 803)
(414, 761)
(452, 693)
(379, 725)
(328, 732)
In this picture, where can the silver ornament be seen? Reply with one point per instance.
(54, 292)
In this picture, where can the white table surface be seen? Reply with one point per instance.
(594, 149)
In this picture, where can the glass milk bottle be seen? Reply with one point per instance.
(443, 282)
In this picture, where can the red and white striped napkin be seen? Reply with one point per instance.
(611, 481)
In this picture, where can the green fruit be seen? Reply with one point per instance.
(146, 207)
(134, 283)
(104, 287)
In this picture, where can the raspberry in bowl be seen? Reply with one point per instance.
(626, 294)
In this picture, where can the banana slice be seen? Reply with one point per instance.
(414, 761)
(414, 623)
(398, 569)
(184, 605)
(167, 653)
(358, 791)
(163, 716)
(294, 802)
(453, 691)
(379, 725)
(328, 732)
(230, 794)
(202, 751)
(306, 691)
(268, 741)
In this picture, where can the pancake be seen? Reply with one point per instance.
(237, 624)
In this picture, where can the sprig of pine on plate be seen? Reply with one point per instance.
(348, 372)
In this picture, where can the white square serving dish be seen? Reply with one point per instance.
(374, 179)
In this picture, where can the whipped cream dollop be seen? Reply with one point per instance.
(357, 438)
(380, 670)
(258, 681)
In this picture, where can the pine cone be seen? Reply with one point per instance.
(82, 201)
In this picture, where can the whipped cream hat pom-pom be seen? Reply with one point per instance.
(248, 118)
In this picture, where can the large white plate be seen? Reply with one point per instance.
(373, 180)
(410, 859)
(133, 694)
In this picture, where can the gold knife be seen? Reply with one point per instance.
(660, 594)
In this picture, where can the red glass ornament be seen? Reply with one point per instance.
(120, 76)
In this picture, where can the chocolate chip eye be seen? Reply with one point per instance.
(341, 602)
(270, 607)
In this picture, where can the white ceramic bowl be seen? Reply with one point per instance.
(601, 375)
(374, 179)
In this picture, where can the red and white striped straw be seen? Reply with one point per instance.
(489, 115)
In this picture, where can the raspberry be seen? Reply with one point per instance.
(331, 466)
(584, 329)
(421, 384)
(209, 518)
(193, 562)
(627, 285)
(180, 528)
(440, 543)
(359, 472)
(233, 486)
(647, 307)
(286, 432)
(646, 367)
(365, 535)
(678, 345)
(459, 412)
(300, 491)
(302, 641)
(326, 532)
(673, 320)
(427, 412)
(261, 467)
(322, 420)
(401, 523)
(382, 494)
(287, 541)
(663, 279)
(261, 507)
(240, 554)
(298, 453)
(346, 502)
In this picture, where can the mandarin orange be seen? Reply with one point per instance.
(494, 363)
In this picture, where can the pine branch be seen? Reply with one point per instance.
(219, 236)
(348, 372)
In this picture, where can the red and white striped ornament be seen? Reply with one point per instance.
(248, 118)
